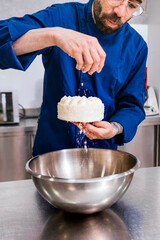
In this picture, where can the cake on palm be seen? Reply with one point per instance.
(80, 109)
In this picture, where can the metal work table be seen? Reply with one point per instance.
(30, 124)
(27, 125)
(146, 143)
(16, 144)
(151, 120)
(24, 214)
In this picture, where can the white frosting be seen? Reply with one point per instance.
(80, 109)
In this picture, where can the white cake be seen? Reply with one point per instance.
(80, 109)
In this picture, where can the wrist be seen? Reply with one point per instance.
(55, 35)
(49, 36)
(118, 127)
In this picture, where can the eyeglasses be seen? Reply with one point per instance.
(133, 9)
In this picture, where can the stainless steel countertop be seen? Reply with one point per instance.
(30, 124)
(25, 125)
(151, 120)
(24, 214)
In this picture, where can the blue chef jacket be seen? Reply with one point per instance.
(120, 85)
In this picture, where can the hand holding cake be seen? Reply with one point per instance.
(98, 130)
(83, 111)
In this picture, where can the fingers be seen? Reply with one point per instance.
(88, 61)
(79, 59)
(81, 126)
(94, 132)
(90, 135)
(85, 49)
(84, 127)
(97, 130)
(94, 57)
(96, 62)
(78, 124)
(101, 124)
(102, 55)
(90, 56)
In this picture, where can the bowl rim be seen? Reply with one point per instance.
(86, 180)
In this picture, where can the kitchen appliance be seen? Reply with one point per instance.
(9, 110)
(151, 104)
(82, 180)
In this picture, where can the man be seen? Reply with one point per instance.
(87, 49)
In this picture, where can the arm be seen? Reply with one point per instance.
(130, 99)
(22, 39)
(33, 40)
(85, 49)
(129, 110)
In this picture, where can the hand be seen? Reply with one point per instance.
(86, 50)
(99, 130)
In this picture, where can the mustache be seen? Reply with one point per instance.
(112, 17)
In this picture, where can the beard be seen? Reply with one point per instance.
(100, 19)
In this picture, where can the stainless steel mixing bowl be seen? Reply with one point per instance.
(82, 180)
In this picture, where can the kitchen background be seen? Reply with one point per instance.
(16, 142)
(29, 84)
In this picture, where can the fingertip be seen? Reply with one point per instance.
(99, 70)
(97, 123)
(94, 123)
(77, 67)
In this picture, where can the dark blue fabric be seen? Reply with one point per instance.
(120, 85)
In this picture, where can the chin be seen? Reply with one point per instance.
(107, 29)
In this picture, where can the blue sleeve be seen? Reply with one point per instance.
(130, 100)
(13, 28)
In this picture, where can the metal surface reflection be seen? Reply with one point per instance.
(106, 225)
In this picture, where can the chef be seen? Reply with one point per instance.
(87, 49)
